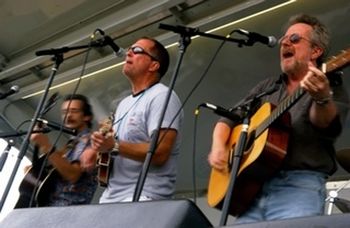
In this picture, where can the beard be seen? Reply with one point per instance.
(293, 67)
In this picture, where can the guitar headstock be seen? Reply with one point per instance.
(339, 61)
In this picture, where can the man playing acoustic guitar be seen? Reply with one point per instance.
(74, 179)
(317, 107)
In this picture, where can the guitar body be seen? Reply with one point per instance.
(46, 187)
(36, 185)
(263, 155)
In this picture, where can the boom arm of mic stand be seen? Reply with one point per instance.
(195, 31)
(62, 50)
(184, 42)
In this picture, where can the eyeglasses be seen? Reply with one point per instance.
(293, 38)
(139, 50)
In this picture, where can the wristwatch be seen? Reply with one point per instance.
(325, 100)
(115, 149)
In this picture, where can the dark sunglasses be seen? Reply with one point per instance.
(293, 38)
(139, 50)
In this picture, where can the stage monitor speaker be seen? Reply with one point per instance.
(325, 221)
(165, 213)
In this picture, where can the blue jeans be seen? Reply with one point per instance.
(289, 194)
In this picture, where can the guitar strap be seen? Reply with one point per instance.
(74, 141)
(71, 144)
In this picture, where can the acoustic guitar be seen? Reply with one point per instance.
(41, 178)
(36, 184)
(264, 152)
(104, 161)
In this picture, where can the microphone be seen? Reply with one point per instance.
(222, 112)
(270, 41)
(13, 89)
(58, 127)
(119, 52)
(107, 40)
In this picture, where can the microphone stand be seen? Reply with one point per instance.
(247, 108)
(183, 43)
(58, 59)
(186, 33)
(240, 146)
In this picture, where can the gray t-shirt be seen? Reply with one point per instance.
(136, 119)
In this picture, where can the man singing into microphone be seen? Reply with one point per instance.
(136, 120)
(298, 188)
(75, 163)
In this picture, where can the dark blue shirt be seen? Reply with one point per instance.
(82, 191)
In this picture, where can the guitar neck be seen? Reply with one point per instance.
(286, 104)
(335, 63)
